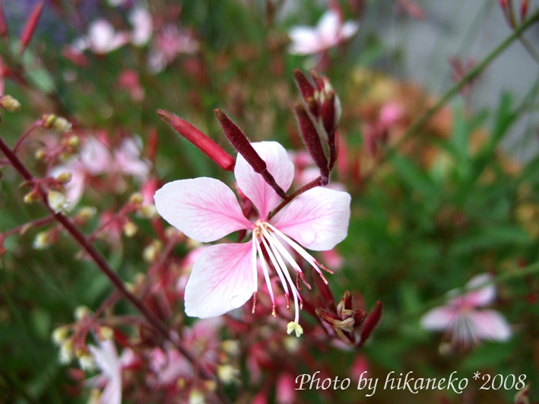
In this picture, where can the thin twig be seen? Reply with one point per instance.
(478, 69)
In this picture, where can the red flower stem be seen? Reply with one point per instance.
(101, 262)
(36, 223)
(310, 185)
(25, 134)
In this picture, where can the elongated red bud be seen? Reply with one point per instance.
(305, 87)
(30, 26)
(240, 142)
(3, 24)
(523, 9)
(199, 139)
(318, 80)
(311, 138)
(371, 322)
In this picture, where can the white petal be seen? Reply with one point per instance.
(253, 184)
(317, 219)
(205, 209)
(222, 280)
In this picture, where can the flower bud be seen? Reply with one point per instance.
(136, 199)
(57, 201)
(82, 312)
(60, 334)
(106, 333)
(86, 361)
(42, 240)
(9, 103)
(151, 252)
(130, 229)
(196, 397)
(73, 141)
(149, 211)
(86, 212)
(199, 139)
(64, 178)
(67, 352)
(40, 154)
(57, 123)
(31, 197)
(227, 373)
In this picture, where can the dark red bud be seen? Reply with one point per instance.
(240, 142)
(3, 24)
(30, 26)
(318, 80)
(199, 139)
(311, 138)
(523, 9)
(328, 114)
(371, 322)
(305, 87)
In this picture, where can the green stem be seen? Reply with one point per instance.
(476, 71)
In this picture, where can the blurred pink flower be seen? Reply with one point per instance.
(101, 38)
(464, 321)
(95, 159)
(141, 20)
(167, 44)
(224, 277)
(329, 32)
(202, 338)
(110, 378)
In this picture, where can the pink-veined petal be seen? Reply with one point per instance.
(205, 209)
(317, 219)
(328, 28)
(222, 280)
(112, 393)
(483, 296)
(348, 29)
(254, 186)
(489, 325)
(304, 40)
(106, 358)
(95, 156)
(440, 318)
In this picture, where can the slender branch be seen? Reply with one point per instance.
(477, 70)
(25, 134)
(35, 223)
(101, 262)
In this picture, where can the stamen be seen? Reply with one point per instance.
(277, 268)
(253, 254)
(266, 274)
(254, 303)
(282, 250)
(309, 258)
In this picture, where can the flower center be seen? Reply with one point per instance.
(274, 241)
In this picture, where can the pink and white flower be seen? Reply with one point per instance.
(464, 321)
(225, 276)
(101, 38)
(110, 378)
(330, 31)
(95, 159)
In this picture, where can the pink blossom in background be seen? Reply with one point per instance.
(168, 43)
(329, 32)
(141, 20)
(464, 321)
(225, 276)
(110, 378)
(101, 38)
(95, 159)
